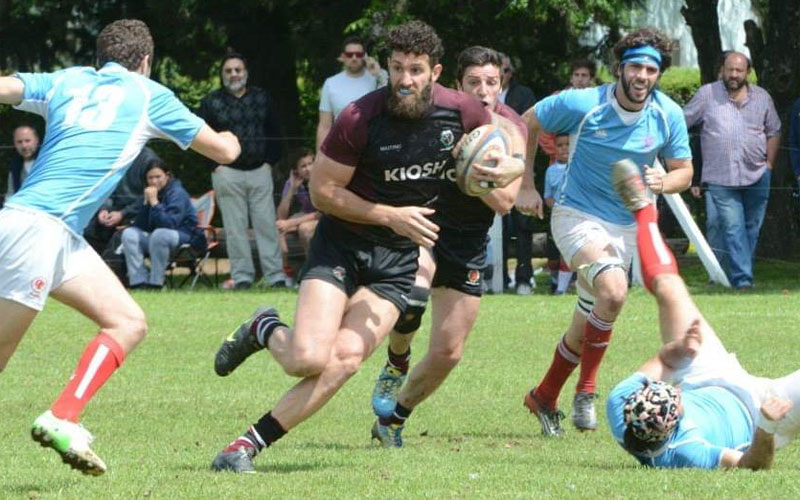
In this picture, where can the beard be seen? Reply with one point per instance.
(626, 88)
(412, 107)
(234, 86)
(732, 84)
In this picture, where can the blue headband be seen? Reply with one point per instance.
(646, 54)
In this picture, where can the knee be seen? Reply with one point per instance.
(307, 363)
(611, 299)
(161, 238)
(129, 236)
(345, 360)
(446, 358)
(130, 326)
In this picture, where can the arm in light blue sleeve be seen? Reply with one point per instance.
(564, 111)
(615, 404)
(696, 455)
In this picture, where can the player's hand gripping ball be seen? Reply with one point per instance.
(474, 148)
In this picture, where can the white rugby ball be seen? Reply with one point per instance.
(474, 149)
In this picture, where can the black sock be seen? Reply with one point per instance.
(399, 416)
(400, 361)
(266, 431)
(262, 328)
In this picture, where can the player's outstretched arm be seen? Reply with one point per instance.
(762, 449)
(222, 147)
(11, 90)
(529, 201)
(674, 354)
(329, 193)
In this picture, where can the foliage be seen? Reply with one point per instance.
(680, 83)
(163, 416)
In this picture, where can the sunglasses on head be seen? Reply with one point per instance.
(358, 54)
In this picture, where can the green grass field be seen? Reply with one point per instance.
(162, 418)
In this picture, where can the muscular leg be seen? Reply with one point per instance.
(16, 320)
(304, 350)
(453, 315)
(367, 322)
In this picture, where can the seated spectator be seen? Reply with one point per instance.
(165, 221)
(296, 216)
(560, 275)
(120, 209)
(26, 144)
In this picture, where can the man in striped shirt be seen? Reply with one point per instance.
(740, 133)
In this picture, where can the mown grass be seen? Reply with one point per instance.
(162, 418)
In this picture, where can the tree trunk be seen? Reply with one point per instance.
(701, 16)
(780, 76)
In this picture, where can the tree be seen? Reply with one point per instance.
(702, 18)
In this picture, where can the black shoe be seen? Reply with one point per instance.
(278, 284)
(240, 344)
(243, 285)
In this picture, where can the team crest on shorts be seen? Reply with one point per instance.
(473, 277)
(339, 273)
(38, 285)
(447, 139)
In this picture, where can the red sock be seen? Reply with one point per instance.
(101, 357)
(596, 335)
(655, 256)
(564, 363)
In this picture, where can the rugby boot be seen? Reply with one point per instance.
(550, 418)
(390, 436)
(384, 395)
(584, 416)
(628, 183)
(70, 440)
(240, 344)
(236, 457)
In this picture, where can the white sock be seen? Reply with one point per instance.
(563, 281)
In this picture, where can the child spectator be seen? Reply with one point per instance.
(560, 275)
(166, 220)
(296, 216)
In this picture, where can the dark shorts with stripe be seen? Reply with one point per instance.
(460, 259)
(349, 261)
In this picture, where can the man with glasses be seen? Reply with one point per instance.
(360, 74)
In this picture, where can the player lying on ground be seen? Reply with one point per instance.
(693, 405)
(97, 122)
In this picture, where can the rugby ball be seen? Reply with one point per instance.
(474, 148)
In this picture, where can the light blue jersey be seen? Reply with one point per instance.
(97, 122)
(713, 420)
(601, 133)
(553, 179)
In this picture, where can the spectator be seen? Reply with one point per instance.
(559, 270)
(582, 75)
(244, 188)
(519, 98)
(297, 217)
(165, 221)
(739, 139)
(360, 75)
(26, 144)
(121, 208)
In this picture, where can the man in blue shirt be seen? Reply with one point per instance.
(692, 405)
(98, 120)
(594, 233)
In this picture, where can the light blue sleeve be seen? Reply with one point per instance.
(549, 189)
(615, 403)
(564, 111)
(37, 88)
(171, 118)
(695, 454)
(678, 145)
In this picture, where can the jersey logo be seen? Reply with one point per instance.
(390, 147)
(601, 133)
(338, 273)
(38, 284)
(447, 138)
(430, 170)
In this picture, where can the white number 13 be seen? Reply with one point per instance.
(95, 112)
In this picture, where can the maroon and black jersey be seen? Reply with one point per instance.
(456, 210)
(400, 162)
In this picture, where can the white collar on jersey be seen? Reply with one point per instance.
(627, 117)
